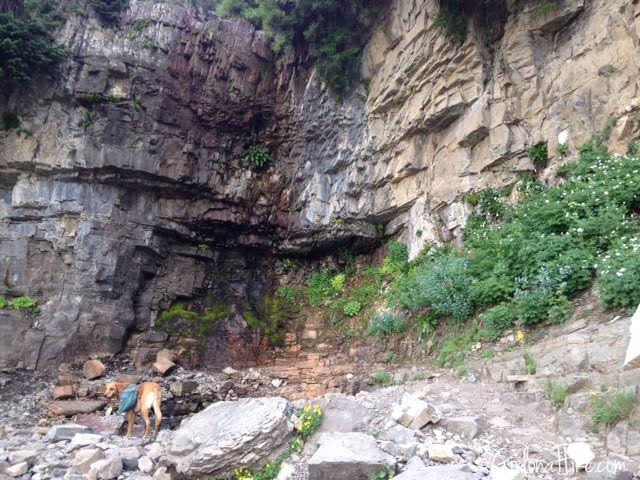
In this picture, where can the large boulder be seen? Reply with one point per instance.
(414, 413)
(227, 435)
(68, 408)
(348, 455)
(65, 431)
(417, 470)
(93, 369)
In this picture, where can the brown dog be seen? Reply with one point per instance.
(149, 396)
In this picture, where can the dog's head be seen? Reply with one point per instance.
(112, 390)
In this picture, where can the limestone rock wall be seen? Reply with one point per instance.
(107, 204)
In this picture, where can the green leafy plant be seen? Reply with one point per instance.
(147, 43)
(332, 32)
(319, 288)
(24, 303)
(488, 353)
(609, 408)
(3, 303)
(203, 248)
(138, 27)
(338, 282)
(258, 156)
(618, 283)
(287, 293)
(89, 100)
(452, 23)
(382, 378)
(10, 121)
(562, 150)
(352, 308)
(455, 347)
(530, 363)
(24, 131)
(182, 323)
(388, 323)
(557, 393)
(288, 264)
(441, 283)
(496, 320)
(386, 472)
(309, 420)
(27, 49)
(545, 8)
(109, 11)
(539, 155)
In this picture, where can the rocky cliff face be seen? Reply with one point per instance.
(132, 193)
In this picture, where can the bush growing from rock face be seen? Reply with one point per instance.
(388, 323)
(332, 32)
(27, 49)
(607, 409)
(109, 10)
(497, 319)
(442, 283)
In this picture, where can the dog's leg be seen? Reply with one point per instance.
(131, 420)
(158, 414)
(147, 422)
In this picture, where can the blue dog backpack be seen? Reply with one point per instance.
(128, 399)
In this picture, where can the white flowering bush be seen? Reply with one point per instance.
(618, 282)
(554, 242)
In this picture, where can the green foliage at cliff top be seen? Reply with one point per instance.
(108, 11)
(331, 32)
(27, 50)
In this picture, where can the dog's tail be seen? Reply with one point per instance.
(157, 413)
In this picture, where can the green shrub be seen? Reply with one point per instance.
(258, 156)
(288, 264)
(24, 303)
(618, 284)
(382, 378)
(453, 23)
(331, 32)
(607, 409)
(27, 49)
(179, 321)
(398, 252)
(386, 472)
(352, 308)
(396, 260)
(10, 121)
(138, 27)
(562, 150)
(442, 283)
(496, 320)
(109, 11)
(338, 282)
(3, 303)
(454, 349)
(557, 393)
(388, 323)
(530, 363)
(539, 155)
(319, 288)
(545, 8)
(287, 293)
(427, 323)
